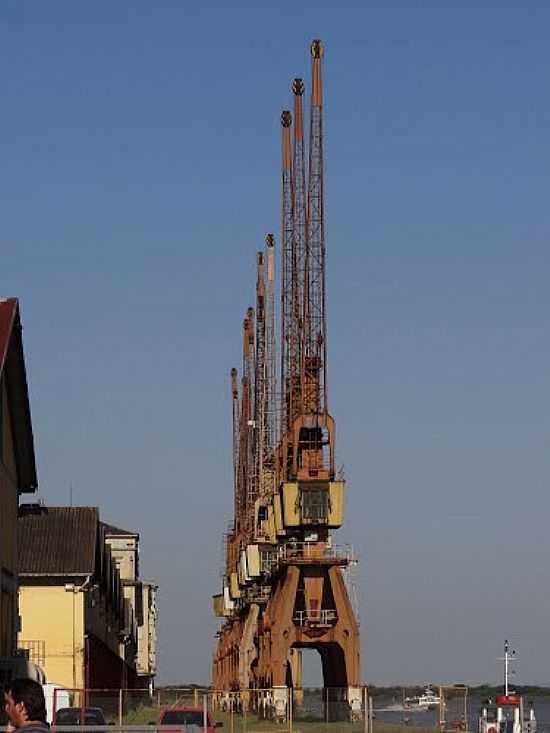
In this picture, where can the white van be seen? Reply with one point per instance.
(55, 695)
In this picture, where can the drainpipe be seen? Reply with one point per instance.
(85, 584)
(86, 661)
(82, 589)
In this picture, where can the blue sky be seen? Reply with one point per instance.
(140, 173)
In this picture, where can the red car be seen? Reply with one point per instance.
(186, 717)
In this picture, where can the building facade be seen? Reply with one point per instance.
(147, 634)
(17, 471)
(140, 596)
(73, 610)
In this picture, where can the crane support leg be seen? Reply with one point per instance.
(333, 631)
(247, 649)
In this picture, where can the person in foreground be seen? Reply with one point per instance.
(25, 706)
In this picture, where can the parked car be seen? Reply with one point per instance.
(78, 716)
(190, 719)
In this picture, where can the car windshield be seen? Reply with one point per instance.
(73, 716)
(182, 717)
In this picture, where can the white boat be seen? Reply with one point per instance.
(393, 707)
(507, 713)
(420, 703)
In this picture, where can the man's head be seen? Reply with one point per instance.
(24, 702)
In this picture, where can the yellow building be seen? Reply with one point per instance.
(72, 605)
(17, 470)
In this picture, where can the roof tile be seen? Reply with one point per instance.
(58, 541)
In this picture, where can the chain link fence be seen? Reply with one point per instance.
(248, 711)
(306, 710)
(298, 710)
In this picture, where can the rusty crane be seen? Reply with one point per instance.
(283, 585)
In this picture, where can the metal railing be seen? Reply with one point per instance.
(269, 561)
(260, 594)
(320, 617)
(307, 551)
(34, 650)
(141, 711)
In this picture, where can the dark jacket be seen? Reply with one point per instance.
(34, 728)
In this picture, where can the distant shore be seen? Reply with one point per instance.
(476, 690)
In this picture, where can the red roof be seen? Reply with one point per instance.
(12, 363)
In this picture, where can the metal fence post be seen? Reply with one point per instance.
(120, 707)
(290, 707)
(371, 714)
(205, 713)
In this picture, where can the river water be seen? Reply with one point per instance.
(429, 718)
